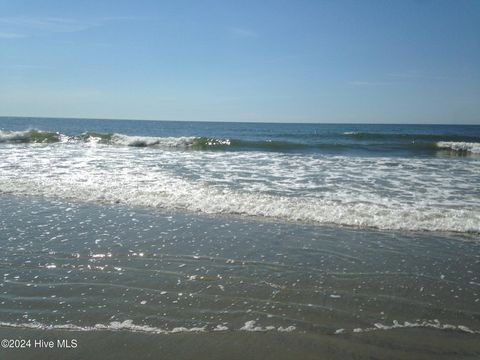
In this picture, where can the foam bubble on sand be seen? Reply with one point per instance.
(128, 325)
(220, 328)
(286, 329)
(251, 326)
(433, 324)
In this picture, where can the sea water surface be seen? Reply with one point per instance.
(381, 176)
(346, 241)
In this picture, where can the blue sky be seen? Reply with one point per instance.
(282, 61)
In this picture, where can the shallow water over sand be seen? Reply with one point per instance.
(101, 269)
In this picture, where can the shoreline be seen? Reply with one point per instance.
(395, 345)
(148, 273)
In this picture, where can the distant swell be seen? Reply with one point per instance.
(361, 135)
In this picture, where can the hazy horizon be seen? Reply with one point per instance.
(240, 121)
(277, 62)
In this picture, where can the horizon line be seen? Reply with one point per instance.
(233, 121)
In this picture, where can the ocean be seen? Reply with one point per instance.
(287, 240)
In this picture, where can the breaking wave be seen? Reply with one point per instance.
(29, 136)
(422, 142)
(460, 146)
(171, 193)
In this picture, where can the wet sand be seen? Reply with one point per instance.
(401, 344)
(131, 282)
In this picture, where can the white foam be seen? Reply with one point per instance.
(220, 328)
(8, 136)
(286, 329)
(460, 146)
(417, 194)
(433, 324)
(251, 326)
(121, 139)
(128, 325)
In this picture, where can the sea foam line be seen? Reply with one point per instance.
(432, 324)
(249, 326)
(180, 194)
(128, 325)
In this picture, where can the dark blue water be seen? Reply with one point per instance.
(363, 139)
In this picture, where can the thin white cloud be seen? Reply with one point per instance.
(47, 24)
(243, 33)
(26, 67)
(24, 26)
(406, 75)
(124, 18)
(403, 77)
(10, 35)
(416, 75)
(369, 83)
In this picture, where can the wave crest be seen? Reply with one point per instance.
(29, 136)
(39, 136)
(428, 143)
(460, 146)
(144, 141)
